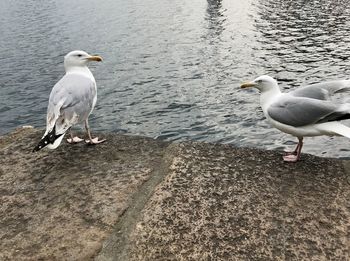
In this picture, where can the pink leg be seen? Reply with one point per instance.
(294, 152)
(91, 141)
(294, 156)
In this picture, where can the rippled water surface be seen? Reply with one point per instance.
(172, 69)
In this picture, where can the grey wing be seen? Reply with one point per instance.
(299, 111)
(322, 91)
(71, 101)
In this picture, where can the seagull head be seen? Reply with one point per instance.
(263, 83)
(79, 59)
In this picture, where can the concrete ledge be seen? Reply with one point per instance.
(136, 198)
(62, 204)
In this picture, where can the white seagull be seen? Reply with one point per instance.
(71, 101)
(307, 111)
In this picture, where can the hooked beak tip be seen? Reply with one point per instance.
(95, 58)
(247, 85)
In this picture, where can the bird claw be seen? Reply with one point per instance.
(291, 158)
(94, 141)
(74, 140)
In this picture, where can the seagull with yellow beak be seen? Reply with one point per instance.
(307, 111)
(71, 101)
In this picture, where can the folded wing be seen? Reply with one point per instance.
(71, 101)
(301, 111)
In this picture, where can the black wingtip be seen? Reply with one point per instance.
(48, 139)
(42, 143)
(37, 147)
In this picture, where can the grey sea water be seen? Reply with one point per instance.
(172, 69)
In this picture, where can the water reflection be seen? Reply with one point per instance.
(216, 19)
(303, 37)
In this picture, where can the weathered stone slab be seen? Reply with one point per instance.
(136, 198)
(62, 204)
(223, 203)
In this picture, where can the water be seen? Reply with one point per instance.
(172, 69)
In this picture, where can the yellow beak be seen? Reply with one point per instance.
(247, 84)
(95, 58)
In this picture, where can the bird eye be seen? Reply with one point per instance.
(79, 55)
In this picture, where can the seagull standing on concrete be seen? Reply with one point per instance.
(307, 111)
(71, 101)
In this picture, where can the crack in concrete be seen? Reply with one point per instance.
(346, 164)
(117, 245)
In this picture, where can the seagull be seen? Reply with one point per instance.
(71, 101)
(305, 112)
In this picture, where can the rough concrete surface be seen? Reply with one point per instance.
(62, 204)
(222, 203)
(135, 198)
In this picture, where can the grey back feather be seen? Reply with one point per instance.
(300, 111)
(322, 91)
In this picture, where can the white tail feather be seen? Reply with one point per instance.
(335, 128)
